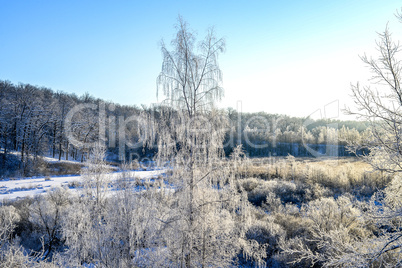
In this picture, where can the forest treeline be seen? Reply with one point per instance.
(33, 122)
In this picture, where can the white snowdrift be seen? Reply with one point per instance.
(29, 187)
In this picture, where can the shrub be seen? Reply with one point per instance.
(8, 219)
(46, 214)
(287, 191)
(267, 234)
(74, 184)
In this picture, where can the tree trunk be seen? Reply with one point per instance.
(60, 151)
(23, 147)
(54, 139)
(67, 150)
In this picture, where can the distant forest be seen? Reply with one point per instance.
(33, 123)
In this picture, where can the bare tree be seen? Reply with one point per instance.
(190, 77)
(190, 82)
(200, 229)
(84, 227)
(380, 103)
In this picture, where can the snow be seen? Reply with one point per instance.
(29, 187)
(56, 160)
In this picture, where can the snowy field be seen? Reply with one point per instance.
(29, 187)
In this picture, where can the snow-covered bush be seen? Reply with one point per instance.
(267, 234)
(335, 228)
(288, 191)
(8, 219)
(46, 215)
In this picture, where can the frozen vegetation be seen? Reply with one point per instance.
(294, 212)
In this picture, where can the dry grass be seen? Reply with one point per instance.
(337, 176)
(57, 168)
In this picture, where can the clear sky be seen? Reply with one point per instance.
(287, 57)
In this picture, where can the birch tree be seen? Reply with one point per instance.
(200, 230)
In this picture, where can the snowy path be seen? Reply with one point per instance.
(15, 189)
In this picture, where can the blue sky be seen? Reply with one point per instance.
(288, 57)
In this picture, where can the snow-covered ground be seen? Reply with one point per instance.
(56, 160)
(21, 188)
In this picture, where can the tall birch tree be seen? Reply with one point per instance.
(200, 231)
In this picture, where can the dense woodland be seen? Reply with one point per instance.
(33, 123)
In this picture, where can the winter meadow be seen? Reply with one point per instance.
(89, 182)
